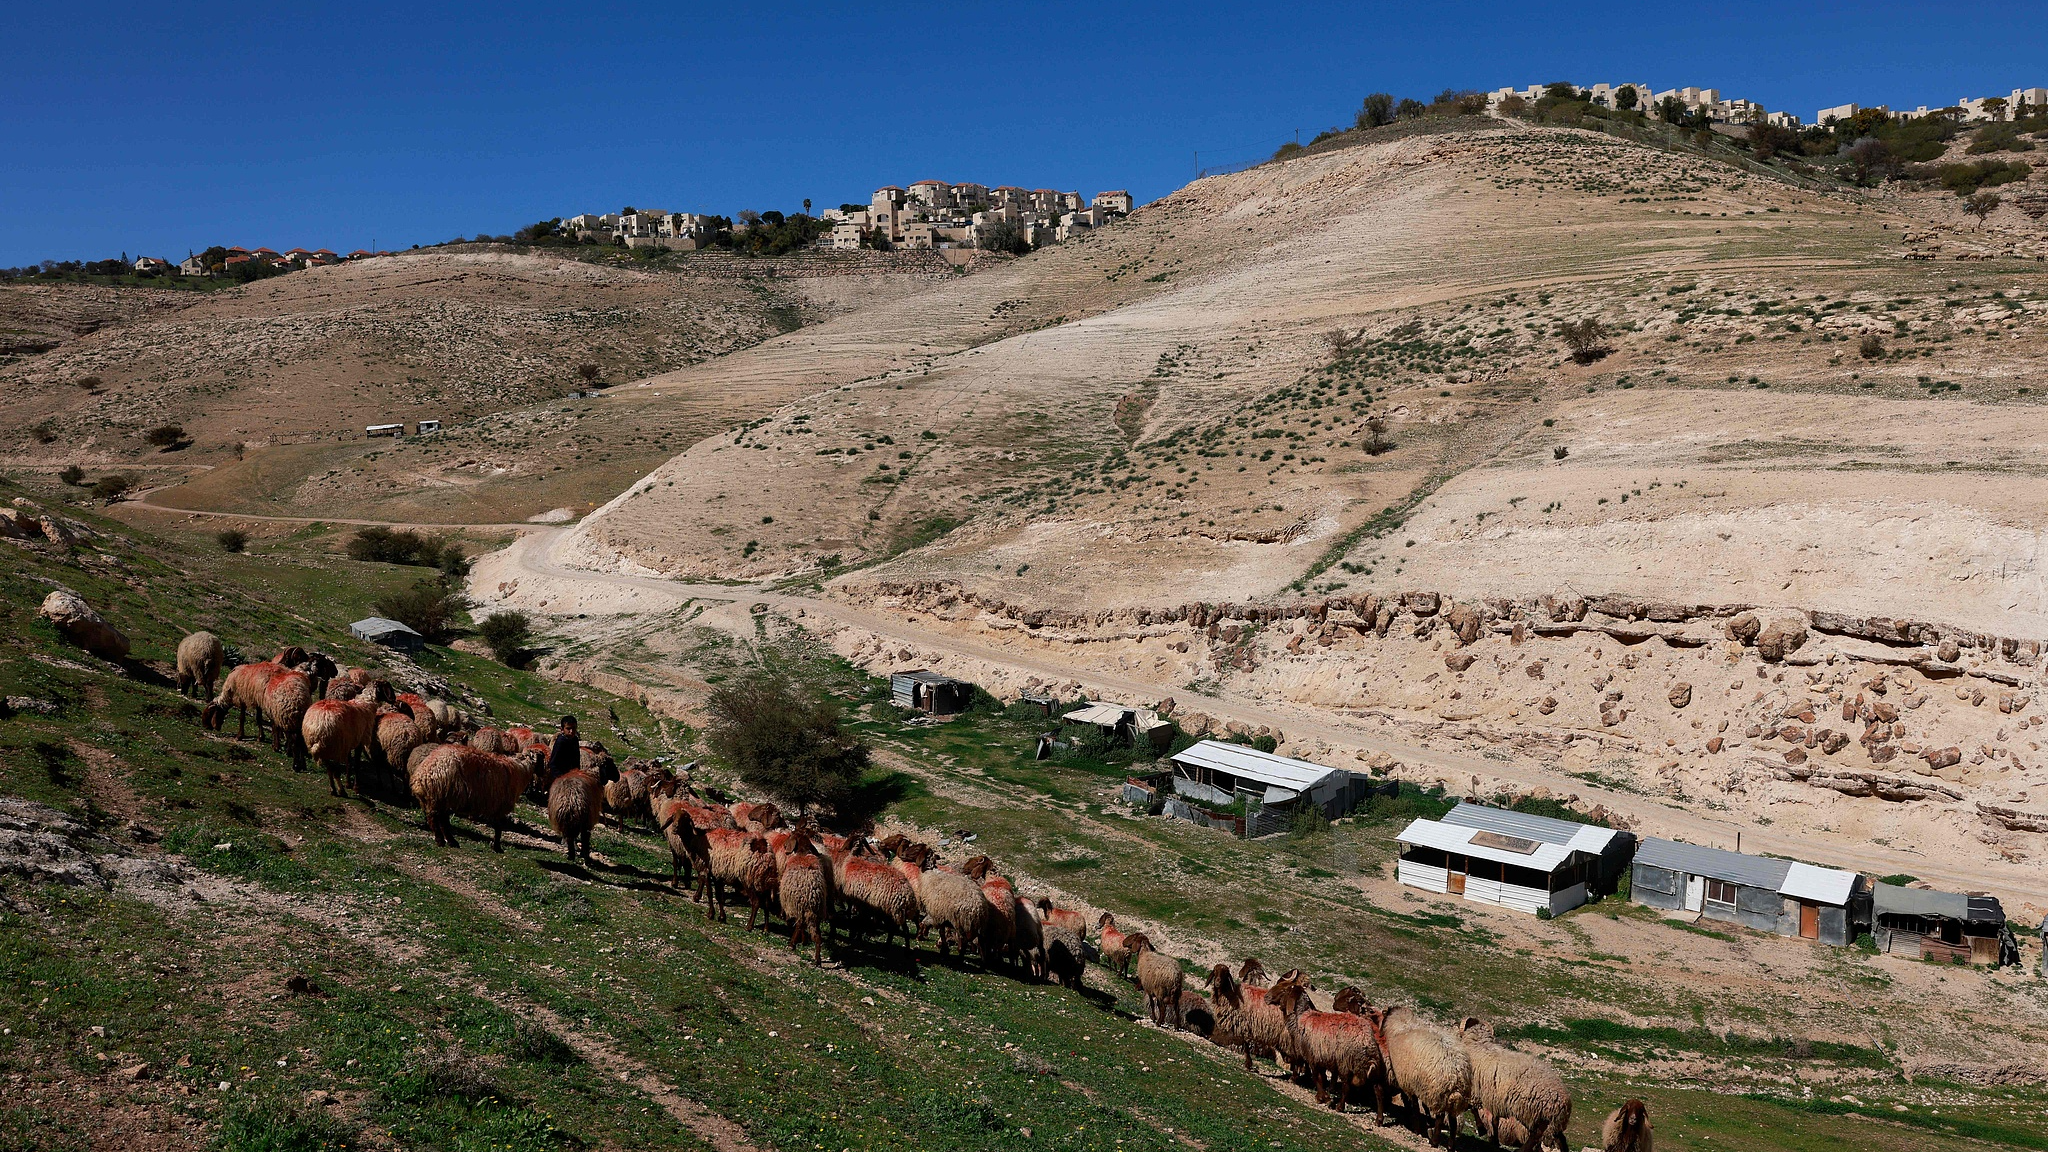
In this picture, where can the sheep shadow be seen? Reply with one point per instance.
(624, 877)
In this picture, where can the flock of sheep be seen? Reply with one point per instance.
(892, 888)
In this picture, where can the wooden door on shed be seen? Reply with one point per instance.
(1454, 874)
(1809, 921)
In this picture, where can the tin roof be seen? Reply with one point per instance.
(1487, 845)
(1252, 764)
(1109, 715)
(1823, 885)
(924, 677)
(1714, 863)
(1893, 900)
(380, 626)
(1571, 834)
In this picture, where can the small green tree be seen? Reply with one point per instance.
(1377, 110)
(164, 435)
(785, 742)
(506, 633)
(428, 608)
(1872, 346)
(589, 372)
(232, 540)
(1980, 205)
(72, 475)
(111, 488)
(1626, 98)
(1584, 338)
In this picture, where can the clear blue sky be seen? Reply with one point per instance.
(165, 127)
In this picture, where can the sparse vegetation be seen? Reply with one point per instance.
(428, 607)
(787, 743)
(1585, 338)
(111, 488)
(231, 539)
(164, 436)
(507, 634)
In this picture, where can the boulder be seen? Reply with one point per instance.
(1681, 695)
(83, 626)
(1715, 744)
(1458, 661)
(1949, 652)
(1466, 621)
(1939, 758)
(1781, 635)
(16, 526)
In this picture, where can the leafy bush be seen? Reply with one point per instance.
(232, 540)
(1408, 803)
(1872, 346)
(428, 608)
(506, 633)
(402, 546)
(1999, 138)
(1560, 452)
(1965, 179)
(784, 742)
(1899, 879)
(44, 431)
(72, 475)
(111, 488)
(1003, 237)
(164, 435)
(1584, 337)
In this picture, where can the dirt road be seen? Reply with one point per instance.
(532, 557)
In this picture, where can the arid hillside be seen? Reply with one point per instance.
(293, 368)
(1209, 434)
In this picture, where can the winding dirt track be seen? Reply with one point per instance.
(534, 554)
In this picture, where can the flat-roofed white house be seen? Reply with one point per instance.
(1512, 859)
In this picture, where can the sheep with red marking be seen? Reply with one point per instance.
(335, 733)
(1116, 952)
(1340, 1049)
(286, 697)
(805, 897)
(454, 780)
(398, 733)
(242, 691)
(955, 905)
(877, 890)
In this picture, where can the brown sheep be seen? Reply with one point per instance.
(349, 684)
(575, 804)
(1627, 1129)
(398, 733)
(452, 780)
(200, 657)
(335, 733)
(1116, 953)
(730, 851)
(422, 713)
(242, 691)
(1052, 915)
(761, 817)
(1340, 1049)
(418, 756)
(626, 796)
(1427, 1066)
(1245, 1017)
(878, 890)
(1516, 1087)
(805, 898)
(954, 904)
(1161, 979)
(286, 696)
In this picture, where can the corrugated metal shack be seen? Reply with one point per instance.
(1272, 787)
(1770, 895)
(1513, 859)
(1946, 926)
(1125, 726)
(929, 692)
(389, 633)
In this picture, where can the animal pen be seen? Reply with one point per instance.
(1512, 859)
(1943, 926)
(1271, 789)
(930, 692)
(1771, 895)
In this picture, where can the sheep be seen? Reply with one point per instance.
(1510, 1085)
(1066, 955)
(1340, 1049)
(760, 879)
(805, 898)
(453, 780)
(1627, 1129)
(761, 817)
(1162, 980)
(1029, 941)
(625, 796)
(956, 906)
(398, 733)
(350, 683)
(684, 825)
(418, 756)
(286, 696)
(1116, 953)
(575, 804)
(242, 690)
(729, 850)
(1002, 901)
(200, 657)
(1072, 921)
(1428, 1067)
(1198, 1015)
(335, 731)
(1244, 1017)
(878, 889)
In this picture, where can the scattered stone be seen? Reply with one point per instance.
(1681, 695)
(1714, 744)
(1458, 661)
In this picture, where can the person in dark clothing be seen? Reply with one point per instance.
(567, 752)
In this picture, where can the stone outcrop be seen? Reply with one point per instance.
(82, 626)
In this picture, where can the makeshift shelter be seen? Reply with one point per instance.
(930, 692)
(1946, 926)
(1123, 725)
(1770, 895)
(389, 633)
(1272, 787)
(1513, 859)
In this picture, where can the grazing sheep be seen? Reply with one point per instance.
(1514, 1086)
(1066, 956)
(879, 890)
(1197, 1014)
(286, 696)
(452, 780)
(1072, 921)
(418, 756)
(1028, 942)
(349, 684)
(1427, 1066)
(730, 850)
(398, 733)
(200, 657)
(805, 898)
(1116, 952)
(1003, 908)
(1340, 1049)
(335, 733)
(955, 905)
(1162, 980)
(575, 804)
(242, 690)
(1627, 1129)
(627, 795)
(684, 825)
(1245, 1018)
(761, 817)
